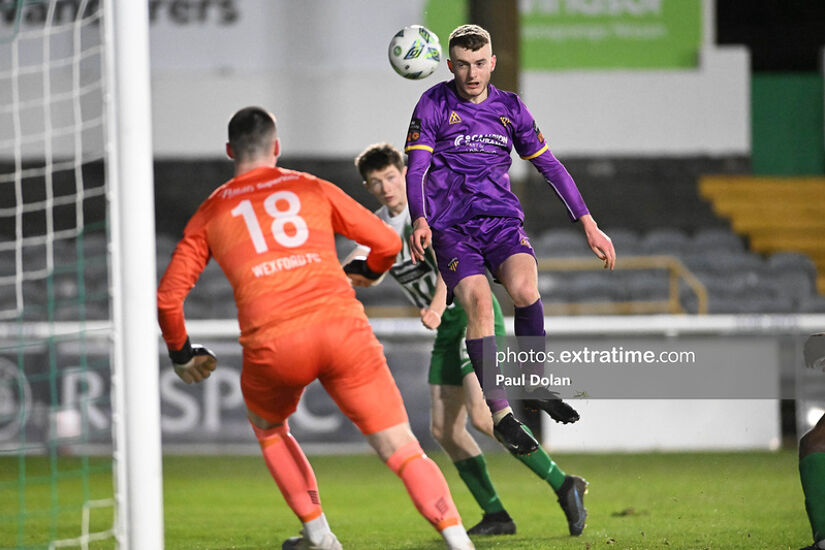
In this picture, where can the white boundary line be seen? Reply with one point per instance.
(580, 325)
(667, 325)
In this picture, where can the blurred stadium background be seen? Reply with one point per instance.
(694, 129)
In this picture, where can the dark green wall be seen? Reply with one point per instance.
(788, 136)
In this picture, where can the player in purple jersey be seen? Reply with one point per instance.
(458, 188)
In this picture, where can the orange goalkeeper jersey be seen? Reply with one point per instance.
(272, 232)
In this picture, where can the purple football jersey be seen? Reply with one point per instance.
(459, 157)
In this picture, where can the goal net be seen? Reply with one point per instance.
(62, 476)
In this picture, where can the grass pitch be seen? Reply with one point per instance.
(636, 501)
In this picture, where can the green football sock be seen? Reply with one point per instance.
(543, 466)
(473, 471)
(812, 475)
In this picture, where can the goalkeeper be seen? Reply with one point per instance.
(271, 231)
(453, 391)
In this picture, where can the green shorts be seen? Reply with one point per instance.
(449, 362)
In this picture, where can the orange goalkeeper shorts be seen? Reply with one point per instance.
(344, 355)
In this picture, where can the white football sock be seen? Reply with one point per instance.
(316, 529)
(456, 538)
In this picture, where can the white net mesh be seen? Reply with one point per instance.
(51, 150)
(55, 405)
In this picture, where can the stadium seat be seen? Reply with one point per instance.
(665, 241)
(594, 286)
(165, 244)
(737, 281)
(723, 304)
(721, 284)
(722, 261)
(797, 286)
(777, 214)
(164, 247)
(197, 309)
(561, 243)
(648, 285)
(549, 283)
(761, 303)
(792, 261)
(212, 296)
(626, 241)
(716, 239)
(557, 288)
(813, 304)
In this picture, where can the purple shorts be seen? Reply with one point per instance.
(478, 244)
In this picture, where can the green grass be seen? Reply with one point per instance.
(42, 498)
(636, 501)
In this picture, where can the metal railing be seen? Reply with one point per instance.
(676, 272)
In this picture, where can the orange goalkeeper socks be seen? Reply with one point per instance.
(291, 471)
(425, 484)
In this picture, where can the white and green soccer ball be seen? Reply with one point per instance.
(415, 52)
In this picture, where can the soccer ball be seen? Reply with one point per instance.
(415, 52)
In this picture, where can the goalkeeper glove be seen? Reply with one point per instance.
(193, 362)
(360, 274)
(358, 266)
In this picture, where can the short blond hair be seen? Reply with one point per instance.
(471, 37)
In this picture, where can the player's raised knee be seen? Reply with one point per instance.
(522, 288)
(524, 294)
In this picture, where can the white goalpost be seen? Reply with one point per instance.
(135, 386)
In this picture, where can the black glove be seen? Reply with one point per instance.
(184, 355)
(358, 266)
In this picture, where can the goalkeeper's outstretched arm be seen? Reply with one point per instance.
(192, 362)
